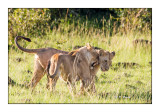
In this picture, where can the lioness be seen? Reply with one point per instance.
(105, 61)
(59, 65)
(69, 66)
(43, 55)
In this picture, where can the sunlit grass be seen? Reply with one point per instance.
(123, 85)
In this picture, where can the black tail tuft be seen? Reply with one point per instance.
(28, 39)
(18, 37)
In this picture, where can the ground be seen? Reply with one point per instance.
(128, 82)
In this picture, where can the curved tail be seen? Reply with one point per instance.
(24, 49)
(55, 67)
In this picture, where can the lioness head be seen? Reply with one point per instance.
(105, 59)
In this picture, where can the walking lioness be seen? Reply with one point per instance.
(43, 55)
(70, 66)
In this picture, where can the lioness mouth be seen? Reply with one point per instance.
(94, 64)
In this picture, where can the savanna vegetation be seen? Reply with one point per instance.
(127, 31)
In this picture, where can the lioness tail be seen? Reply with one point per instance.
(56, 66)
(24, 49)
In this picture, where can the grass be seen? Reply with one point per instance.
(120, 85)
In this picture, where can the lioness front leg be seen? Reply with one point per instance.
(72, 87)
(85, 84)
(93, 88)
(81, 88)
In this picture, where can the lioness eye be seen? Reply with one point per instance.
(105, 60)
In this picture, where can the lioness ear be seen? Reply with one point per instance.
(101, 52)
(112, 55)
(89, 47)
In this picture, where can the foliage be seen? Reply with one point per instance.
(109, 21)
(109, 29)
(134, 19)
(28, 22)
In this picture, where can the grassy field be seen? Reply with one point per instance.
(120, 84)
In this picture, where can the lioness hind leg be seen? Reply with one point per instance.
(38, 74)
(48, 82)
(71, 83)
(52, 83)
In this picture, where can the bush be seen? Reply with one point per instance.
(28, 22)
(108, 21)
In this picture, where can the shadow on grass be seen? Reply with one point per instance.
(13, 83)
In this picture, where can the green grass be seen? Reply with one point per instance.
(121, 85)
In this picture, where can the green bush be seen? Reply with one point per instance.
(28, 22)
(107, 21)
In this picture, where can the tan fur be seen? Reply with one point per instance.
(105, 61)
(64, 65)
(43, 55)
